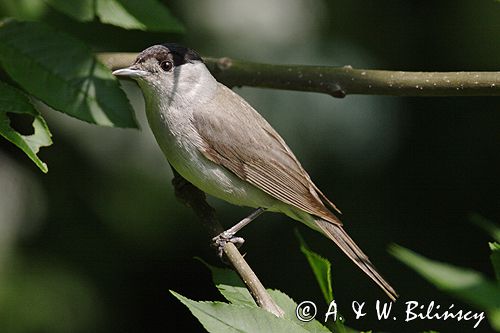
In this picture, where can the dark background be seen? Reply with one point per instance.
(97, 243)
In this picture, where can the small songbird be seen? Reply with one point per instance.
(214, 139)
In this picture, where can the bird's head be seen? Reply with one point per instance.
(166, 69)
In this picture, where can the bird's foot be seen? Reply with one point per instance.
(220, 241)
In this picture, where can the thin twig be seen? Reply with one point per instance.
(339, 81)
(195, 199)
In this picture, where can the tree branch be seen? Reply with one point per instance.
(195, 199)
(339, 81)
(335, 81)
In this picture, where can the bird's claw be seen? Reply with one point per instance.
(220, 241)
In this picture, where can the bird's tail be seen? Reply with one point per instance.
(341, 238)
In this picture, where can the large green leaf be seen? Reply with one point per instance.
(234, 290)
(222, 317)
(129, 14)
(81, 10)
(15, 101)
(466, 284)
(63, 72)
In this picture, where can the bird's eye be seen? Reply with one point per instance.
(166, 65)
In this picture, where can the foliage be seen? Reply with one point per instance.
(48, 65)
(242, 314)
(468, 285)
(15, 101)
(321, 268)
(146, 15)
(80, 224)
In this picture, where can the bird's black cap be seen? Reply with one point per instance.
(173, 52)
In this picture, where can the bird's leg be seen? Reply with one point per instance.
(224, 237)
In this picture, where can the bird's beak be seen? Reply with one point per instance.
(131, 72)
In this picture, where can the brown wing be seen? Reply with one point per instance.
(239, 139)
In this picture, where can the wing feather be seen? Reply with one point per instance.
(242, 141)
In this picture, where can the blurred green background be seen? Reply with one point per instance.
(95, 245)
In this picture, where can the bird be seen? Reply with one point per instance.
(215, 140)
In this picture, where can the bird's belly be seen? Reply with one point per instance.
(218, 181)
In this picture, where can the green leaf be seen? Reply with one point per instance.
(236, 295)
(223, 275)
(289, 306)
(494, 246)
(81, 10)
(321, 268)
(495, 258)
(15, 101)
(487, 225)
(224, 318)
(230, 285)
(143, 15)
(149, 15)
(468, 285)
(63, 72)
(234, 290)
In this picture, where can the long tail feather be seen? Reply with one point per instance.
(346, 244)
